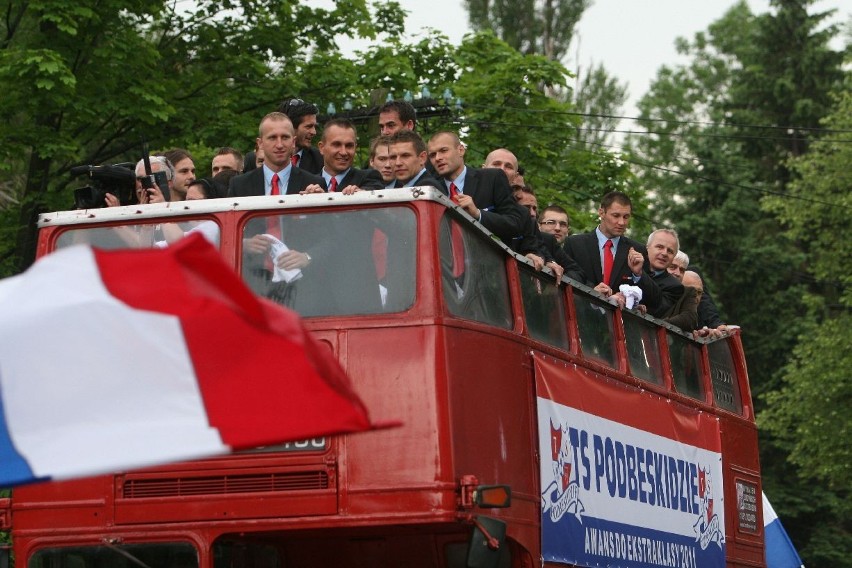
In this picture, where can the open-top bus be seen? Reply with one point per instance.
(541, 424)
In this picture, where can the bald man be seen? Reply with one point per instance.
(483, 193)
(505, 160)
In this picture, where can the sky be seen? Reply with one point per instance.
(632, 38)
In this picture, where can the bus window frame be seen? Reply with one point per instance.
(245, 216)
(180, 537)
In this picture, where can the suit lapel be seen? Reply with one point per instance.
(595, 253)
(471, 182)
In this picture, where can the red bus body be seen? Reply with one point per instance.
(466, 391)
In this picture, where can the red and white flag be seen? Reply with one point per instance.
(112, 360)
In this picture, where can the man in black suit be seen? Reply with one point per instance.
(276, 138)
(483, 193)
(627, 262)
(408, 155)
(662, 247)
(303, 115)
(338, 146)
(277, 176)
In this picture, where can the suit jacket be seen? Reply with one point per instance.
(583, 248)
(365, 179)
(671, 292)
(684, 312)
(252, 183)
(572, 269)
(489, 189)
(708, 313)
(425, 179)
(311, 161)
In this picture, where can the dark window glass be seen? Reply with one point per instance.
(139, 236)
(544, 309)
(473, 272)
(245, 554)
(361, 262)
(723, 377)
(173, 555)
(686, 366)
(643, 349)
(594, 319)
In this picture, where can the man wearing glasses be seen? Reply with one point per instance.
(304, 118)
(554, 220)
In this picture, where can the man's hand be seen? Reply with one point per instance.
(111, 200)
(603, 288)
(466, 203)
(258, 244)
(350, 189)
(635, 261)
(557, 269)
(538, 262)
(150, 195)
(313, 188)
(292, 259)
(619, 299)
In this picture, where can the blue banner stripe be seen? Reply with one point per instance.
(14, 469)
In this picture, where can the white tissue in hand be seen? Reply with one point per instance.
(275, 250)
(632, 295)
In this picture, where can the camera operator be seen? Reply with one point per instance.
(150, 195)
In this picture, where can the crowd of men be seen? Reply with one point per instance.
(285, 161)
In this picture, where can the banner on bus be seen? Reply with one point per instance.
(628, 478)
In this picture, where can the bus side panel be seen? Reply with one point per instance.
(744, 510)
(403, 470)
(493, 423)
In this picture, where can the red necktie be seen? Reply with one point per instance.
(380, 253)
(294, 159)
(273, 223)
(454, 191)
(332, 184)
(607, 261)
(457, 237)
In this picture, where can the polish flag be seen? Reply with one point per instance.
(113, 360)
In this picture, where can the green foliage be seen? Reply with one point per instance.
(811, 410)
(543, 27)
(817, 209)
(84, 81)
(769, 235)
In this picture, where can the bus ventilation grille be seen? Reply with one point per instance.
(225, 484)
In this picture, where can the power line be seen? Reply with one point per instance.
(670, 121)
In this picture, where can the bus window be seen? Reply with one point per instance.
(245, 554)
(723, 377)
(597, 336)
(344, 263)
(173, 555)
(643, 349)
(473, 273)
(139, 236)
(686, 366)
(544, 309)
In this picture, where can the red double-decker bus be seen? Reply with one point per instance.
(541, 424)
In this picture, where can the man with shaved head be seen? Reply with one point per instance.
(503, 159)
(483, 193)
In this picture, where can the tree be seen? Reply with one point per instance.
(598, 97)
(543, 27)
(807, 415)
(84, 80)
(720, 132)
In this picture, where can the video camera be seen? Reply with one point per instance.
(117, 179)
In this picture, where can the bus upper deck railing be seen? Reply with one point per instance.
(572, 319)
